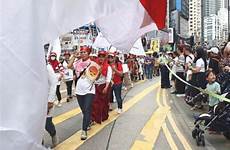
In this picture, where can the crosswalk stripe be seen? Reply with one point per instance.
(74, 141)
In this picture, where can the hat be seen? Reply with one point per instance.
(85, 48)
(93, 55)
(53, 54)
(102, 52)
(112, 54)
(214, 50)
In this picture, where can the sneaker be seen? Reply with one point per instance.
(83, 135)
(59, 104)
(67, 100)
(119, 111)
(180, 95)
(55, 140)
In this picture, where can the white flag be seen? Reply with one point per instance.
(26, 25)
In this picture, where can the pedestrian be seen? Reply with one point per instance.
(189, 59)
(213, 87)
(68, 76)
(116, 79)
(85, 88)
(59, 71)
(49, 126)
(165, 83)
(100, 106)
(213, 59)
(180, 72)
(148, 67)
(198, 71)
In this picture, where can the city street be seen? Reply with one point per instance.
(151, 117)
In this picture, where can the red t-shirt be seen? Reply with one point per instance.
(117, 79)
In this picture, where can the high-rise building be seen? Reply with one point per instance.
(211, 29)
(195, 18)
(213, 6)
(183, 7)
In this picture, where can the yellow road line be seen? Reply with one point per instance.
(74, 141)
(179, 134)
(174, 126)
(158, 97)
(169, 137)
(65, 116)
(152, 128)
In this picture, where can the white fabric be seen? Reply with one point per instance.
(200, 64)
(138, 48)
(52, 87)
(57, 47)
(128, 25)
(101, 42)
(26, 25)
(52, 81)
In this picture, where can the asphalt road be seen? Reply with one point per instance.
(152, 119)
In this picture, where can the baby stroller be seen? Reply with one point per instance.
(197, 100)
(217, 120)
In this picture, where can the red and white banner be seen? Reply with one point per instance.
(26, 25)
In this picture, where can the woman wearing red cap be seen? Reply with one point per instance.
(117, 79)
(100, 108)
(85, 88)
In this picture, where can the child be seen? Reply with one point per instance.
(214, 87)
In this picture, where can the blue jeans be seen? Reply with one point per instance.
(117, 92)
(149, 72)
(85, 103)
(50, 128)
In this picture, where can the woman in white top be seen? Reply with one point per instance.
(199, 69)
(85, 88)
(100, 107)
(68, 76)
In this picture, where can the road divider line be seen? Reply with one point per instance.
(152, 128)
(74, 141)
(174, 126)
(178, 133)
(67, 115)
(169, 137)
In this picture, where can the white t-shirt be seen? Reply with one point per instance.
(68, 73)
(84, 85)
(200, 63)
(189, 59)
